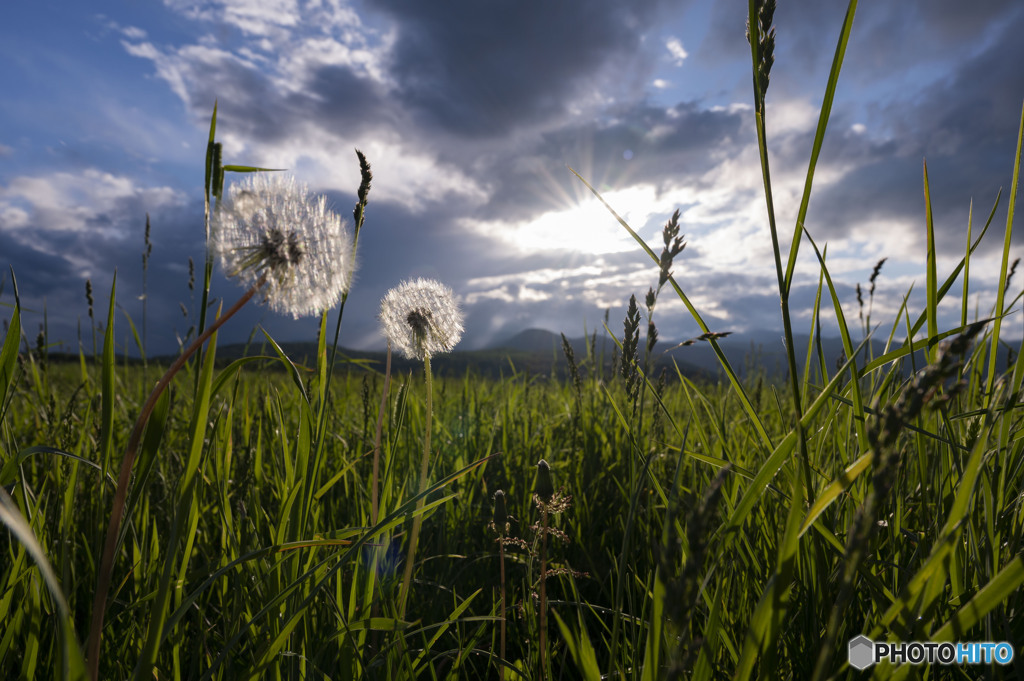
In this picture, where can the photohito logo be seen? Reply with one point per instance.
(863, 652)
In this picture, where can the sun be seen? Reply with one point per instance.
(586, 227)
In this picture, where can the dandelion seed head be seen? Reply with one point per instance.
(421, 318)
(270, 224)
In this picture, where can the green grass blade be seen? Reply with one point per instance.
(844, 333)
(951, 279)
(73, 662)
(293, 369)
(107, 385)
(155, 427)
(1001, 290)
(208, 183)
(135, 334)
(987, 599)
(410, 507)
(967, 266)
(933, 567)
(9, 472)
(779, 457)
(907, 350)
(582, 650)
(766, 623)
(444, 626)
(183, 522)
(9, 353)
(932, 286)
(836, 488)
(252, 169)
(819, 137)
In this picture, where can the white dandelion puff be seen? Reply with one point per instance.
(270, 227)
(421, 318)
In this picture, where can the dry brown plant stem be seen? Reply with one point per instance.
(543, 592)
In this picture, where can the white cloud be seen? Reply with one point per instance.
(133, 32)
(253, 17)
(90, 201)
(676, 49)
(405, 170)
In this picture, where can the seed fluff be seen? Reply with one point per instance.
(270, 225)
(421, 318)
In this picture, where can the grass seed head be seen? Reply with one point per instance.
(630, 338)
(874, 275)
(543, 487)
(271, 225)
(674, 245)
(570, 357)
(766, 45)
(500, 523)
(88, 296)
(421, 318)
(1009, 276)
(366, 177)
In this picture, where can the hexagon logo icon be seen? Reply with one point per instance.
(861, 652)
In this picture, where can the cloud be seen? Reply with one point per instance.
(675, 48)
(91, 203)
(60, 229)
(470, 115)
(963, 124)
(489, 70)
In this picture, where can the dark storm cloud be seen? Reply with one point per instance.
(684, 136)
(977, 106)
(246, 99)
(34, 269)
(887, 37)
(483, 69)
(636, 143)
(934, 80)
(341, 101)
(964, 125)
(49, 269)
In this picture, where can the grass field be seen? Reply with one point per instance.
(277, 522)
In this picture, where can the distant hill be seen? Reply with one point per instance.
(539, 352)
(746, 352)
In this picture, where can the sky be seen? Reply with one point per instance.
(471, 114)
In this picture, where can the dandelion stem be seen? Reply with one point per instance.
(374, 500)
(121, 494)
(501, 563)
(418, 520)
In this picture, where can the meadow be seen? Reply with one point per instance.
(263, 518)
